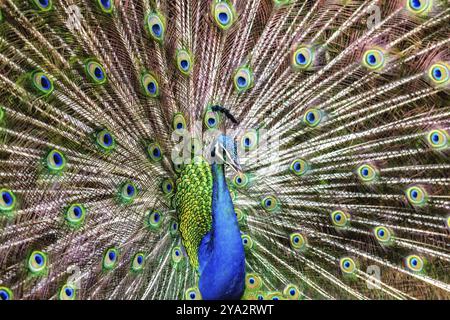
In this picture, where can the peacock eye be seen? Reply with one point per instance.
(150, 85)
(348, 265)
(95, 71)
(211, 119)
(6, 294)
(302, 57)
(67, 292)
(247, 241)
(417, 195)
(106, 6)
(154, 152)
(313, 117)
(173, 228)
(419, 6)
(253, 281)
(374, 59)
(276, 295)
(43, 5)
(128, 192)
(154, 219)
(105, 140)
(291, 292)
(383, 235)
(367, 173)
(56, 161)
(110, 258)
(184, 62)
(223, 13)
(37, 262)
(414, 263)
(75, 215)
(193, 294)
(156, 26)
(42, 83)
(167, 186)
(439, 73)
(138, 262)
(177, 255)
(438, 139)
(7, 200)
(178, 123)
(340, 218)
(299, 167)
(270, 203)
(241, 180)
(298, 241)
(249, 140)
(240, 215)
(243, 79)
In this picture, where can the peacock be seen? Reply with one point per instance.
(224, 149)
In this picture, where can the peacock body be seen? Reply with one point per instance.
(224, 149)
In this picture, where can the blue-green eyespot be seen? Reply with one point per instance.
(367, 173)
(56, 161)
(250, 139)
(298, 241)
(193, 294)
(439, 73)
(417, 195)
(340, 218)
(414, 263)
(419, 7)
(156, 25)
(177, 255)
(240, 215)
(184, 61)
(270, 203)
(43, 5)
(179, 123)
(247, 241)
(128, 192)
(7, 200)
(42, 82)
(313, 117)
(37, 262)
(105, 140)
(154, 219)
(211, 119)
(150, 85)
(6, 294)
(302, 58)
(275, 295)
(167, 187)
(223, 13)
(253, 281)
(107, 6)
(348, 265)
(154, 151)
(374, 59)
(173, 228)
(75, 215)
(243, 79)
(67, 292)
(438, 139)
(110, 258)
(95, 71)
(241, 180)
(383, 235)
(292, 292)
(299, 167)
(138, 262)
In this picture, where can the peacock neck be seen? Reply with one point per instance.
(222, 258)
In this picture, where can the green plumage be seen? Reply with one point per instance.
(193, 202)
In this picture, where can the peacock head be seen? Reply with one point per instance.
(224, 151)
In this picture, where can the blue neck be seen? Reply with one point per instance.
(221, 253)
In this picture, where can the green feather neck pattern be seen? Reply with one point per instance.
(193, 201)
